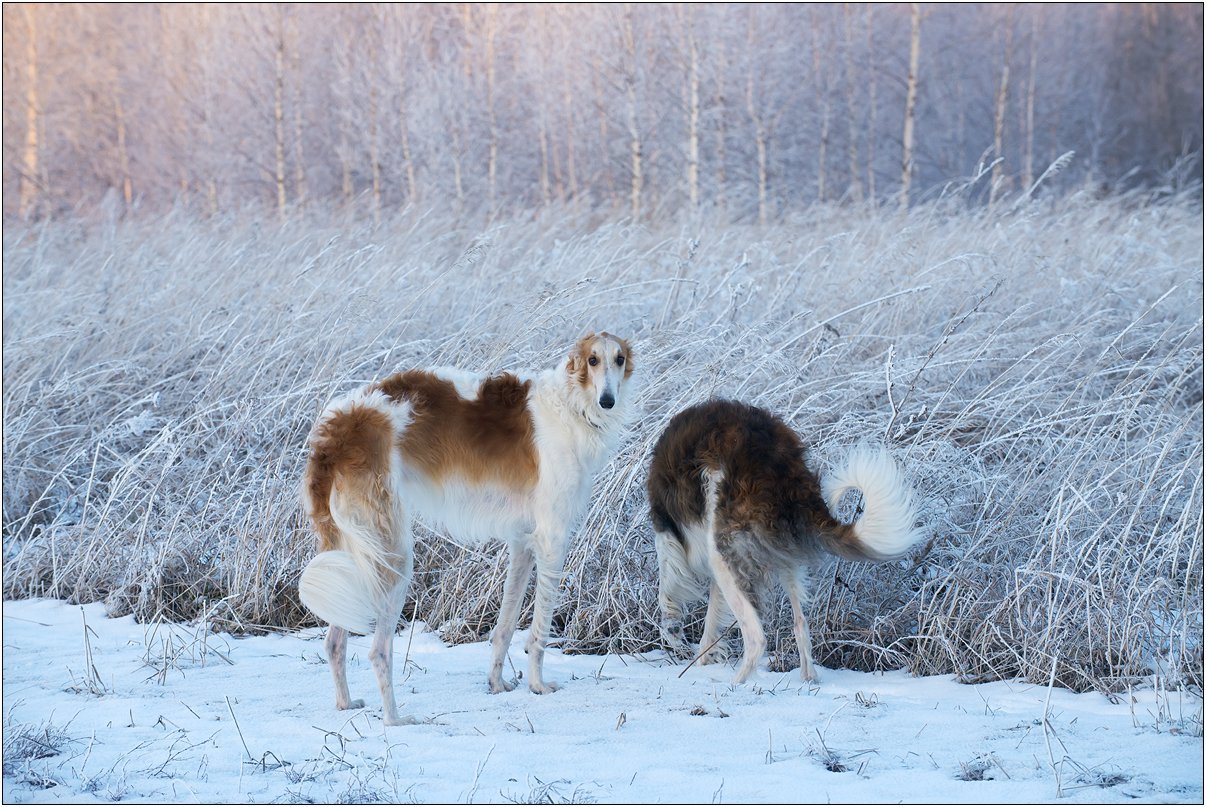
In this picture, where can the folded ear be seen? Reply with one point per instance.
(575, 365)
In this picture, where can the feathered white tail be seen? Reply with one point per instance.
(885, 530)
(353, 493)
(333, 587)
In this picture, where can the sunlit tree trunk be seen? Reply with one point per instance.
(492, 168)
(1028, 159)
(998, 121)
(852, 128)
(634, 132)
(906, 157)
(123, 154)
(721, 125)
(278, 112)
(872, 117)
(691, 104)
(29, 154)
(757, 119)
(820, 77)
(299, 161)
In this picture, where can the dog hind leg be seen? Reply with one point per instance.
(676, 585)
(381, 655)
(713, 646)
(794, 586)
(337, 653)
(737, 593)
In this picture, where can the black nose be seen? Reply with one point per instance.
(607, 402)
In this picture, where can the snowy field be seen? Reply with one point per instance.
(103, 710)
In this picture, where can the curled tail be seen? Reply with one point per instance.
(352, 495)
(885, 530)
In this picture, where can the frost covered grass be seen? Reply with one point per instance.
(1037, 371)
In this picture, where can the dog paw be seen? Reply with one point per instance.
(675, 640)
(356, 704)
(404, 720)
(498, 685)
(717, 655)
(544, 688)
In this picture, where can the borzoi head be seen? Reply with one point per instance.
(599, 367)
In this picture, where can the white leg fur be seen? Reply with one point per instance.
(677, 584)
(522, 562)
(549, 563)
(752, 634)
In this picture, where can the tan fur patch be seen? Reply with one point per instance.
(489, 439)
(351, 451)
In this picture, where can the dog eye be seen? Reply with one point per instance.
(592, 361)
(619, 361)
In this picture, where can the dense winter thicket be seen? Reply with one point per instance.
(651, 110)
(1036, 367)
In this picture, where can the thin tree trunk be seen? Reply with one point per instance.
(123, 154)
(299, 161)
(634, 132)
(998, 121)
(1028, 161)
(374, 145)
(278, 110)
(906, 157)
(721, 128)
(820, 78)
(872, 117)
(691, 103)
(571, 163)
(29, 154)
(492, 169)
(757, 121)
(852, 129)
(407, 157)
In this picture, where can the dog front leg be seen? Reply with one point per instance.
(549, 565)
(522, 561)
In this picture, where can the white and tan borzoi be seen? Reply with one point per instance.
(734, 506)
(498, 457)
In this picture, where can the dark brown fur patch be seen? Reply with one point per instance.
(488, 439)
(767, 493)
(349, 449)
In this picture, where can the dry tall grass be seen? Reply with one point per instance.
(1038, 372)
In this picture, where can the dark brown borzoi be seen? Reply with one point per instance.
(733, 506)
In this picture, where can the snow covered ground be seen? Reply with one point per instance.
(101, 710)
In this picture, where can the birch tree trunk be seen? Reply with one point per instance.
(29, 154)
(691, 103)
(721, 125)
(852, 128)
(872, 117)
(492, 168)
(906, 156)
(634, 132)
(278, 113)
(756, 118)
(998, 120)
(1028, 159)
(123, 154)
